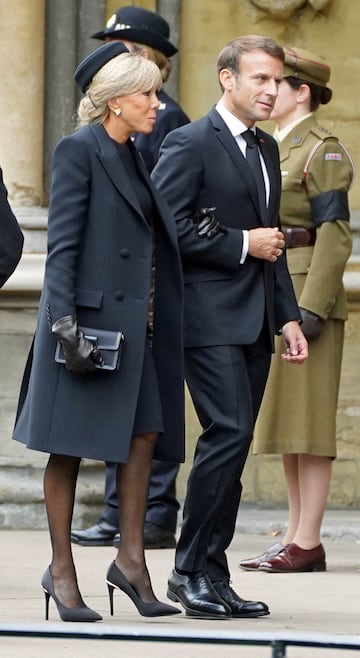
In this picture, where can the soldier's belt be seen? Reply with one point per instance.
(299, 237)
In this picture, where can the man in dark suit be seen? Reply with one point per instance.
(238, 293)
(147, 33)
(11, 237)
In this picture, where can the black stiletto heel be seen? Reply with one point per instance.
(47, 599)
(82, 613)
(111, 598)
(116, 578)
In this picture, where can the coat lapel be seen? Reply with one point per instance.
(110, 160)
(116, 171)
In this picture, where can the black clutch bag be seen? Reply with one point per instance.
(109, 343)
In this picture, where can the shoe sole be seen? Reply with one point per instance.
(195, 614)
(313, 567)
(251, 615)
(248, 568)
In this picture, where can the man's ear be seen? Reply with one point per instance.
(226, 79)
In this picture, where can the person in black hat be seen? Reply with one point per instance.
(137, 25)
(112, 264)
(147, 33)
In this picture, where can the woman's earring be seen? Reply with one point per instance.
(117, 112)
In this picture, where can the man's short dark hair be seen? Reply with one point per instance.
(230, 55)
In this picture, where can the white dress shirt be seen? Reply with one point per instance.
(237, 127)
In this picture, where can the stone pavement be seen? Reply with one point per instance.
(300, 604)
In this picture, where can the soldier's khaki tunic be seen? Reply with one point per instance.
(298, 413)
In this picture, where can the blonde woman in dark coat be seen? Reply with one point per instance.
(112, 264)
(298, 414)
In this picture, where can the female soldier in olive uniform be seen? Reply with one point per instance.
(298, 413)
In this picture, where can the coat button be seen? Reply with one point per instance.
(119, 295)
(124, 253)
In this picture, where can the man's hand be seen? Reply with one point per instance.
(266, 243)
(296, 343)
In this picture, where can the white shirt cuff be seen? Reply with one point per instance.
(245, 248)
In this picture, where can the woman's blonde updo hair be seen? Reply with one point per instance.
(127, 73)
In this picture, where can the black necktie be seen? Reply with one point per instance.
(253, 158)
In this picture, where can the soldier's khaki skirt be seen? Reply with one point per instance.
(298, 412)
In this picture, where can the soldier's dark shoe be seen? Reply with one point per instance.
(155, 536)
(99, 534)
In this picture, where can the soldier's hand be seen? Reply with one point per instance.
(312, 324)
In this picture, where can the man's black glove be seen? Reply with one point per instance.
(81, 355)
(312, 324)
(206, 223)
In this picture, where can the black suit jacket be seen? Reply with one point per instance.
(11, 237)
(225, 303)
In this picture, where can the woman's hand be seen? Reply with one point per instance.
(81, 355)
(206, 223)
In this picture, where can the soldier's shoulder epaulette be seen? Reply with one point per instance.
(324, 136)
(323, 133)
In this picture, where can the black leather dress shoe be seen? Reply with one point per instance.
(100, 534)
(240, 607)
(155, 536)
(197, 596)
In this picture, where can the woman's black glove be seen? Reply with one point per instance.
(312, 324)
(206, 222)
(81, 355)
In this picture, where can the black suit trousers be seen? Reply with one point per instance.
(226, 384)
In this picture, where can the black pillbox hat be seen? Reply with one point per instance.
(89, 66)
